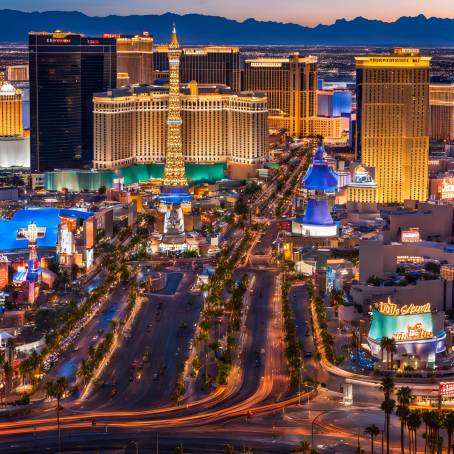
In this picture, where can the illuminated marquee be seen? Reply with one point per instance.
(414, 332)
(389, 308)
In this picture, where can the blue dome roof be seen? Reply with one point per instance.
(319, 176)
(317, 213)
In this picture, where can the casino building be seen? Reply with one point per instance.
(219, 125)
(418, 331)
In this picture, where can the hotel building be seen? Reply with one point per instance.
(291, 87)
(10, 110)
(441, 99)
(65, 70)
(17, 73)
(393, 123)
(218, 65)
(134, 59)
(219, 125)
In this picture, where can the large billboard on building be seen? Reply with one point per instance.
(417, 330)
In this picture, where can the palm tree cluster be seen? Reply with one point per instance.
(293, 349)
(434, 421)
(31, 367)
(215, 306)
(95, 356)
(326, 337)
(389, 346)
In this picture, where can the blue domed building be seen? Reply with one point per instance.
(319, 181)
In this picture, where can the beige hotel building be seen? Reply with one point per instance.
(291, 86)
(219, 126)
(393, 123)
(442, 112)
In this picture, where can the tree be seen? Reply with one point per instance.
(387, 387)
(403, 408)
(413, 424)
(383, 346)
(388, 406)
(449, 426)
(392, 349)
(372, 431)
(56, 390)
(229, 449)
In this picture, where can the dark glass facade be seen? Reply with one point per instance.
(65, 70)
(209, 65)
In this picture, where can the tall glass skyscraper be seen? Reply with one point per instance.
(65, 70)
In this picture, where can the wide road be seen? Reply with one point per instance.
(163, 329)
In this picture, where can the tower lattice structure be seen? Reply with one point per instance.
(174, 170)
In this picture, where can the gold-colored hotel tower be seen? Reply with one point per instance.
(393, 123)
(10, 110)
(291, 86)
(174, 171)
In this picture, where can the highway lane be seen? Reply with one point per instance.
(91, 335)
(163, 328)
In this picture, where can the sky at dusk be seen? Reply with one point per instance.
(306, 12)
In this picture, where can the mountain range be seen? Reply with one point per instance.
(201, 29)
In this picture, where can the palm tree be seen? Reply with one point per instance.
(392, 348)
(403, 408)
(56, 390)
(387, 387)
(449, 426)
(85, 371)
(372, 431)
(384, 347)
(388, 406)
(413, 424)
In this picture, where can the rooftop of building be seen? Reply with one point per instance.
(202, 90)
(399, 57)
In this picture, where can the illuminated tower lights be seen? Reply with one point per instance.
(174, 171)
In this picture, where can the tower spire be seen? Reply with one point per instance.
(174, 44)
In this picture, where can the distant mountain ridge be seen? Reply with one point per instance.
(201, 29)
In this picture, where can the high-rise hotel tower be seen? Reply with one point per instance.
(393, 123)
(291, 87)
(134, 59)
(218, 65)
(65, 70)
(10, 109)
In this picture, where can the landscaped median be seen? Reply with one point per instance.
(220, 312)
(92, 368)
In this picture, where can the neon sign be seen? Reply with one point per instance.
(389, 308)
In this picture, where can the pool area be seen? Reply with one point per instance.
(42, 217)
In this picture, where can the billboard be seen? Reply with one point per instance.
(446, 388)
(403, 324)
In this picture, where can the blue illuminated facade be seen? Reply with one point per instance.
(318, 181)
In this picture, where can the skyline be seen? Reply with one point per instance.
(327, 12)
